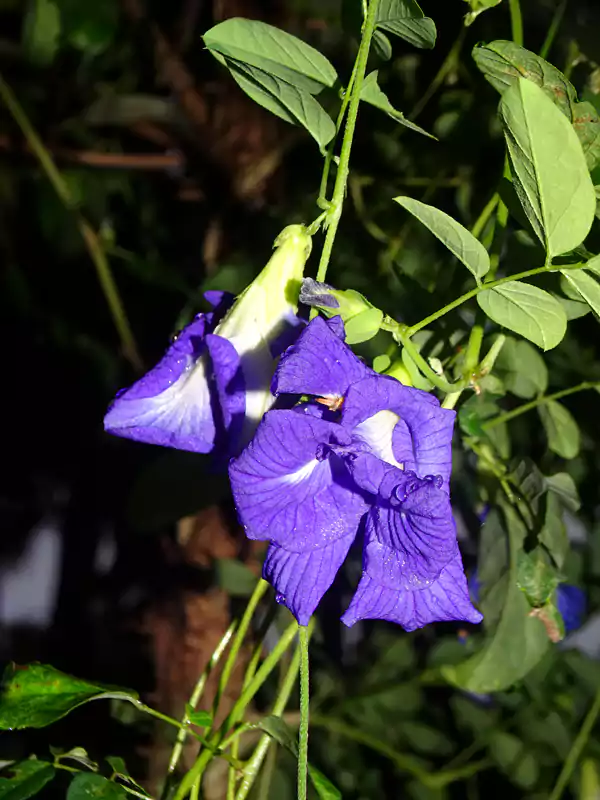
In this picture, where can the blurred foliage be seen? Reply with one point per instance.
(183, 184)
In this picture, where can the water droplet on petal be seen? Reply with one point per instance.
(280, 598)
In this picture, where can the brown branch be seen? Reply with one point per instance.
(90, 158)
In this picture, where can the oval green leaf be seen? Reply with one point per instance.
(272, 50)
(517, 641)
(371, 93)
(561, 429)
(549, 170)
(25, 779)
(404, 18)
(586, 287)
(284, 100)
(527, 310)
(87, 785)
(457, 238)
(503, 63)
(36, 695)
(522, 369)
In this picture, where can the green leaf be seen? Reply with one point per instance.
(41, 32)
(561, 429)
(280, 731)
(405, 19)
(587, 127)
(272, 51)
(78, 754)
(234, 577)
(527, 310)
(563, 486)
(382, 45)
(36, 695)
(288, 102)
(322, 785)
(593, 265)
(86, 785)
(522, 369)
(587, 287)
(371, 93)
(518, 764)
(203, 719)
(477, 8)
(504, 62)
(89, 27)
(283, 735)
(549, 171)
(574, 309)
(363, 326)
(518, 642)
(553, 534)
(462, 244)
(536, 576)
(25, 779)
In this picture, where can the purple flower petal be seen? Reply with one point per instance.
(411, 515)
(301, 579)
(319, 363)
(229, 385)
(422, 438)
(379, 597)
(290, 489)
(172, 404)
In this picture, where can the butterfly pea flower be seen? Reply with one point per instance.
(570, 601)
(370, 457)
(212, 386)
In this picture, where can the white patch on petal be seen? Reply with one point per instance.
(181, 408)
(377, 433)
(302, 473)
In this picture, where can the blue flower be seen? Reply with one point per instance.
(570, 601)
(213, 384)
(370, 454)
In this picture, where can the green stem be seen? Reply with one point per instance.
(254, 764)
(404, 335)
(576, 749)
(197, 771)
(88, 234)
(473, 293)
(304, 714)
(483, 218)
(539, 401)
(322, 201)
(447, 66)
(553, 29)
(516, 21)
(339, 189)
(259, 590)
(195, 698)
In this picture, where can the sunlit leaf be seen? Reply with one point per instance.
(36, 695)
(461, 243)
(284, 100)
(586, 287)
(405, 18)
(527, 310)
(273, 51)
(549, 171)
(561, 429)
